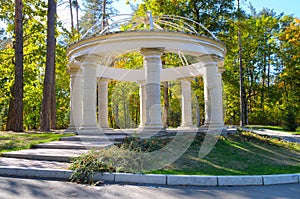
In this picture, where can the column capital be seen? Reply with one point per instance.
(186, 79)
(89, 59)
(74, 71)
(102, 79)
(221, 70)
(152, 52)
(212, 59)
(141, 82)
(74, 64)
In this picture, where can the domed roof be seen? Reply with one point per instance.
(127, 23)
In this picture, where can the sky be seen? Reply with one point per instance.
(279, 6)
(286, 6)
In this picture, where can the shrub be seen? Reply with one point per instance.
(126, 157)
(85, 165)
(290, 120)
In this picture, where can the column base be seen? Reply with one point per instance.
(150, 130)
(71, 129)
(106, 129)
(212, 126)
(190, 128)
(89, 130)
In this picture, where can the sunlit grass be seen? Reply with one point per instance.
(239, 154)
(11, 141)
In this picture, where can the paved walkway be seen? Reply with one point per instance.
(279, 134)
(15, 188)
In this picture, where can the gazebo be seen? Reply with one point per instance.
(90, 69)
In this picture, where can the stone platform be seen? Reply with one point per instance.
(58, 154)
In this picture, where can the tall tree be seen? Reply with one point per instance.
(243, 105)
(71, 14)
(45, 119)
(15, 113)
(95, 11)
(76, 5)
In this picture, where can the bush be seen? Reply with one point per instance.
(126, 157)
(85, 165)
(290, 120)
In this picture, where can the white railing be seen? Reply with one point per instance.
(123, 23)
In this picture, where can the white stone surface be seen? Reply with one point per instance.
(153, 67)
(186, 104)
(91, 57)
(103, 103)
(192, 180)
(212, 91)
(35, 172)
(239, 180)
(141, 178)
(76, 99)
(89, 120)
(106, 177)
(8, 171)
(142, 93)
(280, 179)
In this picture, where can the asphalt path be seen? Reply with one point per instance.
(14, 188)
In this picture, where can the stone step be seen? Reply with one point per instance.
(59, 155)
(73, 145)
(27, 163)
(94, 138)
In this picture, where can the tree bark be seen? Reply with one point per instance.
(53, 101)
(49, 72)
(77, 15)
(103, 14)
(71, 15)
(242, 88)
(15, 113)
(166, 104)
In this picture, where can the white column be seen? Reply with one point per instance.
(212, 91)
(142, 104)
(103, 104)
(89, 82)
(75, 98)
(206, 101)
(186, 104)
(152, 67)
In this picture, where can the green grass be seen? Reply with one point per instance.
(242, 153)
(12, 141)
(276, 128)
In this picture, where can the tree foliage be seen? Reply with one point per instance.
(34, 61)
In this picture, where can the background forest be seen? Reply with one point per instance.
(268, 52)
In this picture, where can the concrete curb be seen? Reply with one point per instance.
(158, 179)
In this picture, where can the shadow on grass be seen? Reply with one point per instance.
(239, 154)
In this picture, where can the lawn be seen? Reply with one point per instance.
(239, 154)
(275, 128)
(12, 141)
(242, 153)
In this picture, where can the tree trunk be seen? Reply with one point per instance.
(104, 14)
(77, 15)
(49, 72)
(166, 104)
(15, 112)
(242, 89)
(53, 102)
(71, 15)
